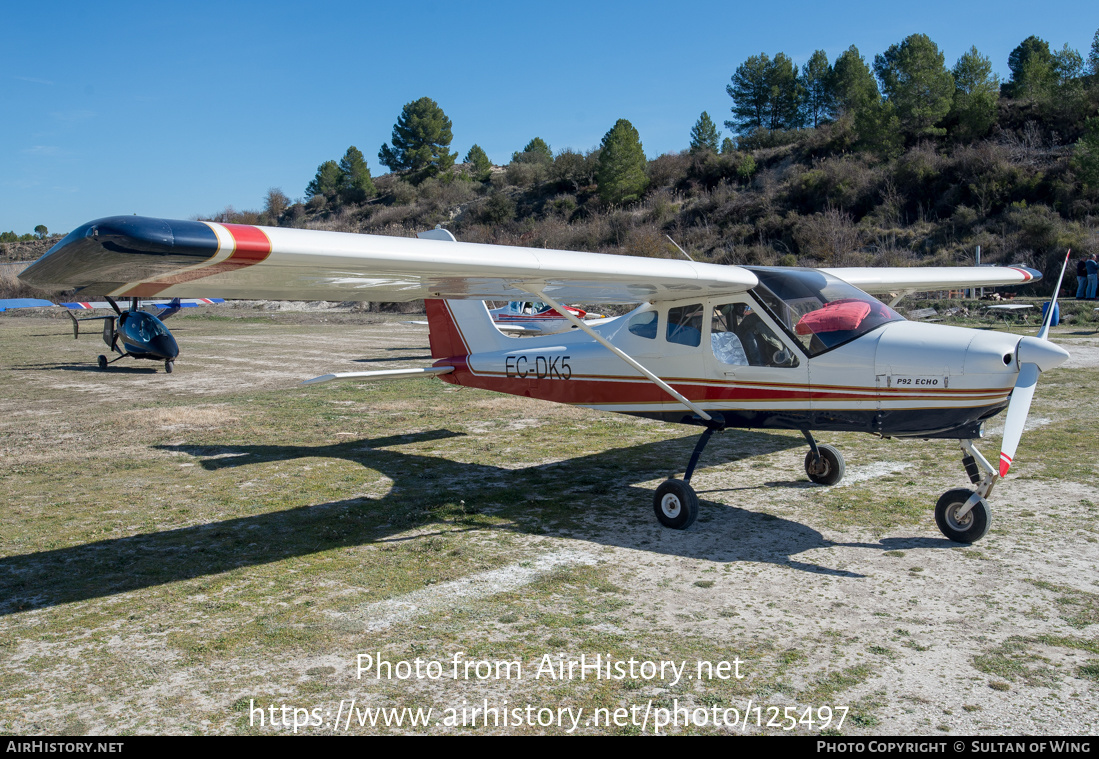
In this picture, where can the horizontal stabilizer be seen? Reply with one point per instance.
(518, 330)
(381, 374)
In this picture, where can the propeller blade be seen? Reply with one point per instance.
(1017, 411)
(1044, 331)
(1035, 355)
(114, 305)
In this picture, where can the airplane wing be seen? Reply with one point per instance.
(920, 278)
(131, 256)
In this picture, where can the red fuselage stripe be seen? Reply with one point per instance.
(582, 392)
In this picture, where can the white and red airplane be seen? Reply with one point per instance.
(533, 317)
(714, 346)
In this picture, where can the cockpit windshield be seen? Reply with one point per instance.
(819, 310)
(143, 326)
(526, 307)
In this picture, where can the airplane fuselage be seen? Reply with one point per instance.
(898, 379)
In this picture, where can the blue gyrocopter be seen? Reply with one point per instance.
(136, 333)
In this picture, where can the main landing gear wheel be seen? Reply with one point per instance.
(169, 365)
(102, 362)
(967, 529)
(676, 504)
(829, 470)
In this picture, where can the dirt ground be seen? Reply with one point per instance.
(221, 548)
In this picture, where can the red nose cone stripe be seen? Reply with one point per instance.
(251, 246)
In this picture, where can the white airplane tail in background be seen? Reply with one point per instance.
(462, 327)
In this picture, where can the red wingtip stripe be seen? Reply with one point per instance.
(252, 245)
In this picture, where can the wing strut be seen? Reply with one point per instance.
(534, 290)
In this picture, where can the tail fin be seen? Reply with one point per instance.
(171, 309)
(461, 327)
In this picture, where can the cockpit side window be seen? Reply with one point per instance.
(685, 325)
(644, 324)
(738, 336)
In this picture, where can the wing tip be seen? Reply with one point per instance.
(320, 379)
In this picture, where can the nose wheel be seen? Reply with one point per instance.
(169, 365)
(958, 523)
(963, 515)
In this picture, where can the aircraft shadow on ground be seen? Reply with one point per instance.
(723, 533)
(90, 367)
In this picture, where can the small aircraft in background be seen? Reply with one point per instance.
(717, 347)
(527, 317)
(140, 328)
(142, 333)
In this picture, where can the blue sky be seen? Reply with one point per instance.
(174, 110)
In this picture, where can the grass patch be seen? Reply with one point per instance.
(1079, 608)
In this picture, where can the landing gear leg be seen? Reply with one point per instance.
(676, 503)
(104, 363)
(824, 464)
(963, 515)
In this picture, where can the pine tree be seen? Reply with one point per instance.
(621, 172)
(420, 140)
(536, 151)
(356, 184)
(976, 93)
(853, 86)
(1032, 74)
(326, 183)
(479, 162)
(1068, 65)
(1086, 154)
(704, 135)
(766, 94)
(728, 146)
(786, 93)
(816, 86)
(917, 84)
(751, 93)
